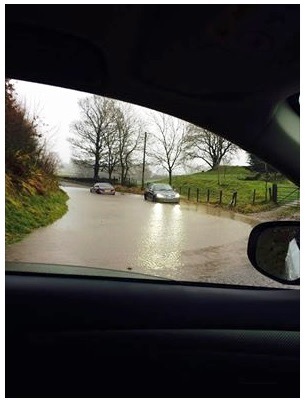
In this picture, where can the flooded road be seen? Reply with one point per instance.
(124, 232)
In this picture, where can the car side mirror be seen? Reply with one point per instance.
(274, 250)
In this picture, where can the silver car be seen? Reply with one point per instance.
(103, 188)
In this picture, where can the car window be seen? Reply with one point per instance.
(160, 187)
(199, 236)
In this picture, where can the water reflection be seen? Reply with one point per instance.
(162, 239)
(180, 240)
(215, 210)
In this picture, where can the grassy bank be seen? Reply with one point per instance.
(32, 194)
(217, 188)
(26, 212)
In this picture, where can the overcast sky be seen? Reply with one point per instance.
(57, 108)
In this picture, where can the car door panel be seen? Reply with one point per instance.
(97, 337)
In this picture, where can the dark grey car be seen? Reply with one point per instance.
(161, 192)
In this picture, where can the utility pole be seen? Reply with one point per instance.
(266, 181)
(144, 153)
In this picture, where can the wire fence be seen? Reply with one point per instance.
(278, 194)
(288, 195)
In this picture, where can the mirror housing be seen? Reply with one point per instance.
(274, 250)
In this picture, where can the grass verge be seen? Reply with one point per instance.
(25, 213)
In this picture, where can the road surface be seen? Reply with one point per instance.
(124, 232)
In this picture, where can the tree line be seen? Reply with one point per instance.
(109, 136)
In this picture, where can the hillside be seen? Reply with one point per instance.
(215, 186)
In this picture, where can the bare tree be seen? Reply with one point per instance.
(109, 155)
(207, 146)
(92, 132)
(168, 134)
(128, 129)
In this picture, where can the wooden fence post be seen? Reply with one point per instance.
(274, 193)
(188, 193)
(197, 195)
(254, 195)
(220, 197)
(234, 199)
(208, 196)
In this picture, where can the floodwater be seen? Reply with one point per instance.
(124, 232)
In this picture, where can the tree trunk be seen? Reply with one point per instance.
(126, 173)
(122, 174)
(96, 169)
(170, 177)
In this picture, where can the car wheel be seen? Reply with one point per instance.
(154, 199)
(145, 197)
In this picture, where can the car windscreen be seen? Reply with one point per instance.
(162, 187)
(105, 185)
(202, 238)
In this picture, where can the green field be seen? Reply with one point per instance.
(219, 185)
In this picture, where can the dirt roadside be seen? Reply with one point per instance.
(283, 213)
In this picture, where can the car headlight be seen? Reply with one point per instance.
(177, 195)
(159, 195)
